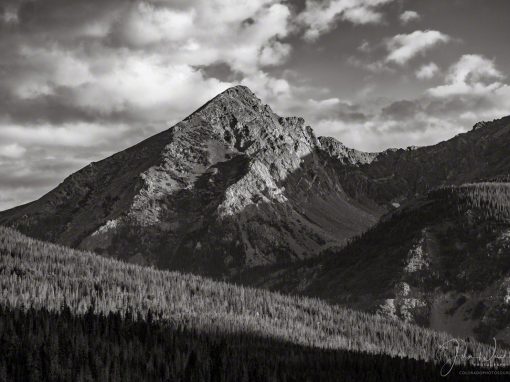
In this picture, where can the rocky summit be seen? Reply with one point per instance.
(231, 187)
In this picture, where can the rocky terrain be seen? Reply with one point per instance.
(230, 187)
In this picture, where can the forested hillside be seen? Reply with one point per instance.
(41, 346)
(101, 306)
(441, 261)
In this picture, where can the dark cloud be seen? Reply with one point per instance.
(401, 110)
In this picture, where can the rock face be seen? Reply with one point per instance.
(231, 187)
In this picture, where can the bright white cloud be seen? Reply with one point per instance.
(404, 47)
(240, 34)
(144, 24)
(321, 16)
(408, 16)
(146, 86)
(427, 71)
(471, 75)
(145, 51)
(274, 54)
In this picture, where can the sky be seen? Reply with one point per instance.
(83, 79)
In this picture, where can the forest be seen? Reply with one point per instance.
(491, 200)
(71, 315)
(38, 345)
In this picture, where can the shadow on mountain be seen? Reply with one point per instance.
(441, 261)
(41, 346)
(195, 237)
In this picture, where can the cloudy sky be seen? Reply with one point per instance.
(82, 79)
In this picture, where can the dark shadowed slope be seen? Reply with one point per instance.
(399, 174)
(232, 186)
(39, 346)
(442, 260)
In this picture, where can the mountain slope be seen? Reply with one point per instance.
(230, 187)
(394, 176)
(441, 261)
(37, 276)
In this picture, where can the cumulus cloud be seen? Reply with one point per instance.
(398, 51)
(75, 134)
(375, 134)
(275, 91)
(145, 24)
(427, 71)
(274, 53)
(473, 90)
(408, 16)
(471, 75)
(404, 47)
(321, 16)
(208, 32)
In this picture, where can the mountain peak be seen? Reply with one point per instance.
(234, 100)
(232, 186)
(242, 94)
(239, 90)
